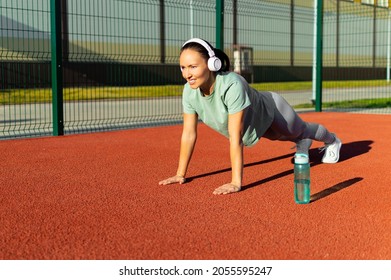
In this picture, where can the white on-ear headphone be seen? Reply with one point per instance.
(214, 63)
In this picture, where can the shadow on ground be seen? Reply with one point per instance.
(348, 151)
(335, 188)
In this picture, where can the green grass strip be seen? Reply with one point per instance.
(25, 96)
(359, 103)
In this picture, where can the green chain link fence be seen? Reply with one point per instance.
(116, 62)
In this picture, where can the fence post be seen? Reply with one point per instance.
(235, 22)
(162, 33)
(337, 35)
(389, 46)
(220, 24)
(374, 32)
(318, 53)
(57, 85)
(292, 35)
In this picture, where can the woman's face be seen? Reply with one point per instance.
(195, 70)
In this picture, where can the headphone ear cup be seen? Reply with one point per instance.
(214, 64)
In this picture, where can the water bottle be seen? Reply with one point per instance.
(302, 179)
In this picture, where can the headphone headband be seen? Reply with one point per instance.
(211, 53)
(214, 63)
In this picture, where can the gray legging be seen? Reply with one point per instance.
(288, 126)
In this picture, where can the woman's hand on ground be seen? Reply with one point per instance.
(172, 180)
(227, 188)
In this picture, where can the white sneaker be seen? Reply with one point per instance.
(331, 154)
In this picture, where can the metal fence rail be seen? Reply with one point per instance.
(117, 61)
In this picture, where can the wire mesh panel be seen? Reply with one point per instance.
(356, 56)
(24, 68)
(280, 35)
(267, 27)
(123, 63)
(115, 68)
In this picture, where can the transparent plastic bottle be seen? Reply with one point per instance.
(302, 179)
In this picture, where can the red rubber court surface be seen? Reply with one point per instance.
(96, 196)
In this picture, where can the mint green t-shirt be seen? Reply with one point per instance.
(231, 94)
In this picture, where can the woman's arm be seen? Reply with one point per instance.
(235, 130)
(188, 140)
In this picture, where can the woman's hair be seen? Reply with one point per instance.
(225, 63)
